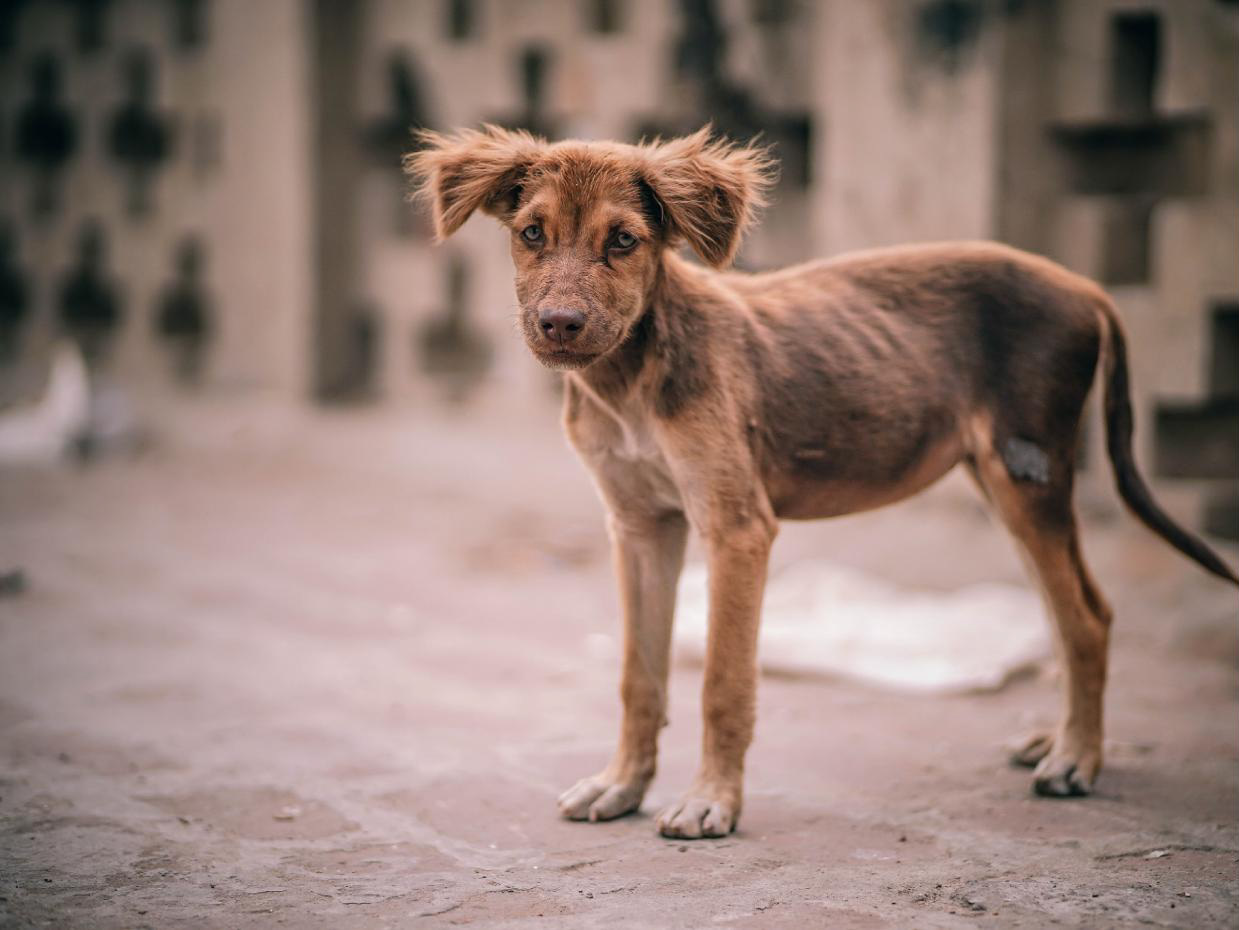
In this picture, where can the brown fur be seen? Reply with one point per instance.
(727, 401)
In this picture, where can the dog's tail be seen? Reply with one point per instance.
(1131, 485)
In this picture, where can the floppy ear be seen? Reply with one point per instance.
(470, 170)
(710, 190)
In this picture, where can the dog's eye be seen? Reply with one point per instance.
(532, 233)
(624, 240)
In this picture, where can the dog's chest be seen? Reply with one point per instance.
(620, 447)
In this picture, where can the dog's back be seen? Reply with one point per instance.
(722, 400)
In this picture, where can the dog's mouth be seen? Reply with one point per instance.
(564, 359)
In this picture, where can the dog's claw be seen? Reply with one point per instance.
(596, 798)
(1061, 776)
(693, 818)
(616, 801)
(1032, 749)
(1058, 774)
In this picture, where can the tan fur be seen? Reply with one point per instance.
(727, 401)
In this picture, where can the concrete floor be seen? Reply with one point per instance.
(331, 670)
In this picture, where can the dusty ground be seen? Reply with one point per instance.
(330, 670)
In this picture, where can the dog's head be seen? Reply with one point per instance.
(589, 220)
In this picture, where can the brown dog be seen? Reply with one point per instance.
(727, 401)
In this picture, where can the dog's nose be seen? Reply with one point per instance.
(559, 324)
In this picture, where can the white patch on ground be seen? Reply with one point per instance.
(821, 618)
(42, 431)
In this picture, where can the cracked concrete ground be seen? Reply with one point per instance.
(315, 669)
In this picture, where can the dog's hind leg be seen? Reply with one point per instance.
(1030, 489)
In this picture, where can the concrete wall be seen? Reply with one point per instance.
(238, 178)
(1194, 239)
(908, 148)
(918, 132)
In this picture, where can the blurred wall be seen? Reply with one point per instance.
(1099, 132)
(232, 108)
(907, 147)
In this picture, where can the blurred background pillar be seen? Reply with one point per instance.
(336, 32)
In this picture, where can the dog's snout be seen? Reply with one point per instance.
(561, 324)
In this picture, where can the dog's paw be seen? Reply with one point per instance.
(601, 798)
(1031, 749)
(700, 814)
(1066, 774)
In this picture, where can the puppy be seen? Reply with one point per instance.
(727, 401)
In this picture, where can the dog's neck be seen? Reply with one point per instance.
(657, 342)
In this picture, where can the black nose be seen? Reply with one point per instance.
(560, 324)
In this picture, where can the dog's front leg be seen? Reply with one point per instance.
(738, 555)
(649, 553)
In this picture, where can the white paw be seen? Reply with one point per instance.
(699, 815)
(600, 798)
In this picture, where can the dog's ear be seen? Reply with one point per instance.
(470, 170)
(709, 190)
